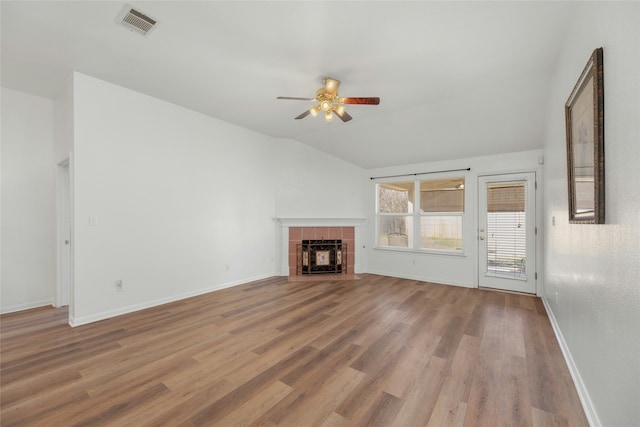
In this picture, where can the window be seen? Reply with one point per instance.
(395, 214)
(441, 209)
(436, 225)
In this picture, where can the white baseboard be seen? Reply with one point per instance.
(583, 394)
(83, 320)
(422, 278)
(25, 306)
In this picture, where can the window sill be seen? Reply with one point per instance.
(421, 251)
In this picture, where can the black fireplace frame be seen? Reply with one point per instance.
(321, 257)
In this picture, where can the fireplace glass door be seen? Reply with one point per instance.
(321, 256)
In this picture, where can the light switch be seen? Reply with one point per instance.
(93, 220)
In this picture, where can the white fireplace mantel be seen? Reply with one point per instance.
(356, 223)
(321, 222)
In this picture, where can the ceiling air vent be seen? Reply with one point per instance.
(136, 21)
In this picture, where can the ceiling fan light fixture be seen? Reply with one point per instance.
(331, 86)
(328, 102)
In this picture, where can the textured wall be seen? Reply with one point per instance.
(592, 272)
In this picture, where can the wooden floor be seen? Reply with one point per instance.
(371, 352)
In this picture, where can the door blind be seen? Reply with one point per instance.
(506, 230)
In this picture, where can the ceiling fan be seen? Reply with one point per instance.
(329, 102)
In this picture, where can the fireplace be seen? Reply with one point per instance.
(324, 247)
(346, 230)
(321, 257)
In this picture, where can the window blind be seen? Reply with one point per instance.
(506, 230)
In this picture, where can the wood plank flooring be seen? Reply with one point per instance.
(377, 351)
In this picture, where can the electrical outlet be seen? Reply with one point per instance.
(119, 286)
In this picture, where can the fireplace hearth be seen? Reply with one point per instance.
(321, 257)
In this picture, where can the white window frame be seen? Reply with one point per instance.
(415, 239)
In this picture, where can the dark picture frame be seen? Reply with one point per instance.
(584, 116)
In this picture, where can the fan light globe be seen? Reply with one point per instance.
(325, 105)
(331, 86)
(328, 116)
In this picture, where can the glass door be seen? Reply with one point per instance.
(506, 232)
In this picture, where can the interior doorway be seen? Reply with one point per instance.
(507, 232)
(63, 234)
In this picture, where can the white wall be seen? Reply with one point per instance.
(184, 203)
(28, 202)
(449, 269)
(595, 269)
(63, 122)
(313, 184)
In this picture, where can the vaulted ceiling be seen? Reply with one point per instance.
(455, 79)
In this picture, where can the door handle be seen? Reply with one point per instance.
(481, 237)
(66, 242)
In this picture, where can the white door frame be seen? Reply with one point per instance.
(64, 229)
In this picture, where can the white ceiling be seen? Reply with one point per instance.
(456, 79)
